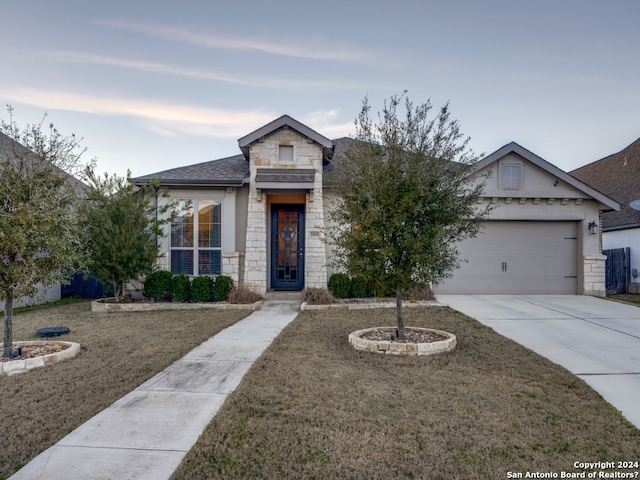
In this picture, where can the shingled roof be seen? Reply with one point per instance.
(617, 176)
(225, 171)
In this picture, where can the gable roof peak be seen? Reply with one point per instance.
(540, 162)
(283, 122)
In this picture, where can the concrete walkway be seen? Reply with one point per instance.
(145, 434)
(596, 339)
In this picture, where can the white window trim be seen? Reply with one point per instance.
(520, 175)
(195, 248)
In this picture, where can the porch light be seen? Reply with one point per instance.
(593, 228)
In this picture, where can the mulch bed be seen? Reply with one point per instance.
(33, 351)
(411, 336)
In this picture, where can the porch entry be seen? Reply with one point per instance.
(287, 247)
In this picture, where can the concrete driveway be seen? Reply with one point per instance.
(596, 339)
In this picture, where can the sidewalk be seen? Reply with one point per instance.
(146, 433)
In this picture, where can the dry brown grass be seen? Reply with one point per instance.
(119, 352)
(317, 296)
(313, 407)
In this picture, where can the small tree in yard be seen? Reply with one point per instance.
(121, 226)
(405, 197)
(39, 238)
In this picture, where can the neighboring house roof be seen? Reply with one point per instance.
(11, 150)
(284, 121)
(225, 171)
(550, 168)
(618, 176)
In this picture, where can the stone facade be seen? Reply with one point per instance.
(233, 266)
(255, 260)
(265, 154)
(316, 260)
(594, 275)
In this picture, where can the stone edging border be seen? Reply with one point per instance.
(371, 305)
(401, 348)
(19, 366)
(101, 306)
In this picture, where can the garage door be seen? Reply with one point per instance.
(518, 257)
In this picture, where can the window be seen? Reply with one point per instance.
(286, 154)
(511, 177)
(196, 240)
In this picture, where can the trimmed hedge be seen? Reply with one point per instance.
(339, 285)
(157, 286)
(358, 287)
(222, 285)
(180, 287)
(162, 285)
(202, 289)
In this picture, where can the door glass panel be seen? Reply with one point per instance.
(287, 247)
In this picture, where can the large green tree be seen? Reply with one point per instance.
(405, 197)
(39, 240)
(122, 224)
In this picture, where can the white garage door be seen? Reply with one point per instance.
(518, 257)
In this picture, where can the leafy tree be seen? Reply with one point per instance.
(39, 240)
(121, 226)
(406, 195)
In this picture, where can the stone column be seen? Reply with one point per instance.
(315, 275)
(255, 260)
(594, 275)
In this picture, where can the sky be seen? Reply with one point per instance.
(150, 86)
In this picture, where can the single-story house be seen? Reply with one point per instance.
(618, 176)
(259, 217)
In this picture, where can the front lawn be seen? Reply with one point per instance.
(119, 351)
(313, 407)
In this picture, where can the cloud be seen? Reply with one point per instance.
(152, 67)
(163, 118)
(323, 121)
(289, 49)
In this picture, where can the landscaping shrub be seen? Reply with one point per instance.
(339, 285)
(222, 285)
(317, 296)
(157, 285)
(243, 295)
(421, 292)
(202, 289)
(358, 287)
(180, 288)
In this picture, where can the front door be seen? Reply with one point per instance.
(287, 247)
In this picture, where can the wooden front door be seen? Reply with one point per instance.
(287, 247)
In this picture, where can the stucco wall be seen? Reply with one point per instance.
(227, 198)
(44, 295)
(542, 197)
